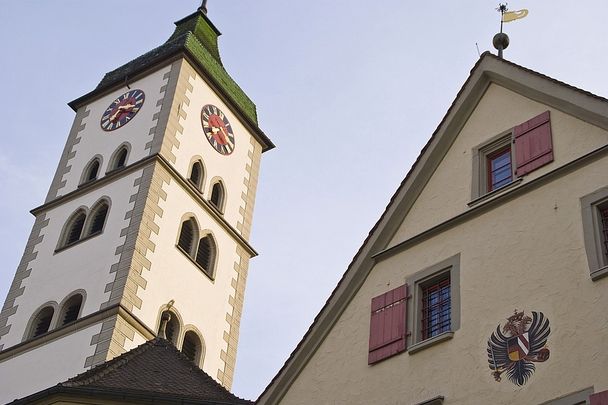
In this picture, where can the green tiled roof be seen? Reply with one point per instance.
(197, 36)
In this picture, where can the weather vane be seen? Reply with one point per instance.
(501, 40)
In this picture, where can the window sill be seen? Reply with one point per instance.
(201, 268)
(430, 342)
(599, 273)
(494, 193)
(78, 242)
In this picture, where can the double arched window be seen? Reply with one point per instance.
(202, 250)
(46, 318)
(84, 223)
(189, 342)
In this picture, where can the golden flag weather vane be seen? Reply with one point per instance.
(508, 16)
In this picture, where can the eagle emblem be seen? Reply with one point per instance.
(521, 343)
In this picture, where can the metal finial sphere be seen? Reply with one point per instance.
(500, 41)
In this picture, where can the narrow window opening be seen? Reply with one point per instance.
(71, 309)
(217, 195)
(191, 346)
(121, 159)
(205, 254)
(75, 229)
(42, 321)
(604, 220)
(99, 219)
(186, 236)
(93, 171)
(196, 174)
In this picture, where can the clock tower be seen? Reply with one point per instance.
(145, 228)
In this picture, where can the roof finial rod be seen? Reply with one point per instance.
(203, 7)
(501, 40)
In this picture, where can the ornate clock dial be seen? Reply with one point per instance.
(218, 130)
(122, 110)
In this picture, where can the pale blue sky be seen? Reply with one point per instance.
(349, 90)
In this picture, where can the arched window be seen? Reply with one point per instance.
(196, 175)
(98, 218)
(73, 230)
(71, 310)
(119, 159)
(91, 171)
(188, 237)
(218, 196)
(172, 328)
(192, 347)
(205, 254)
(42, 322)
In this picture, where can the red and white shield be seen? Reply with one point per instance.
(518, 347)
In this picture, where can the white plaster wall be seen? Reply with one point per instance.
(449, 190)
(95, 140)
(231, 168)
(85, 265)
(199, 300)
(528, 255)
(46, 365)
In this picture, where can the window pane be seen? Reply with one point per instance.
(499, 169)
(604, 218)
(436, 308)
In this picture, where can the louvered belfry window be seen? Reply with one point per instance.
(43, 321)
(436, 308)
(121, 159)
(205, 253)
(217, 195)
(387, 335)
(191, 345)
(196, 174)
(75, 230)
(99, 219)
(72, 309)
(533, 144)
(93, 170)
(186, 236)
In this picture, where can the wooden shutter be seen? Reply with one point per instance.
(533, 145)
(601, 398)
(387, 335)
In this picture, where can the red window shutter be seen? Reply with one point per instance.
(387, 335)
(533, 145)
(601, 398)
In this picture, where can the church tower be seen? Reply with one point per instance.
(146, 223)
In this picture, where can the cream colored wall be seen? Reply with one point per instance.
(198, 299)
(45, 365)
(95, 140)
(193, 142)
(527, 254)
(449, 190)
(85, 265)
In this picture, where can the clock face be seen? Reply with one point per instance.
(217, 129)
(122, 110)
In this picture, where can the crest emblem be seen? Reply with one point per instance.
(521, 343)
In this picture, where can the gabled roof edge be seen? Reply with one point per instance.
(588, 106)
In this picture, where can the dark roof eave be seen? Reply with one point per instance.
(260, 136)
(118, 393)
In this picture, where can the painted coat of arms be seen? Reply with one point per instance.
(521, 343)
